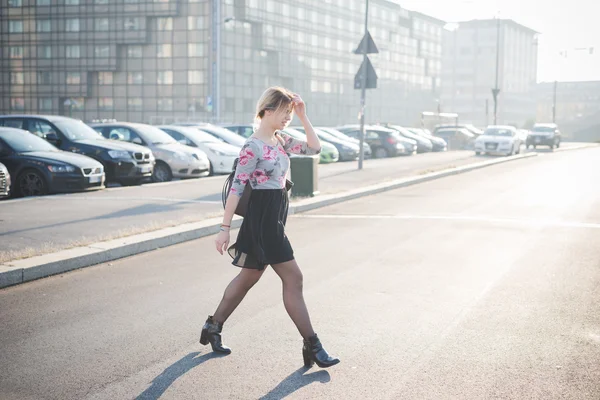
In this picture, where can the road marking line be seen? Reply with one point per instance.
(521, 221)
(165, 199)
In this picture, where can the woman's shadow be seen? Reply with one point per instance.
(289, 385)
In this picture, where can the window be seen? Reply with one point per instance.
(101, 1)
(44, 78)
(71, 2)
(165, 78)
(43, 25)
(17, 104)
(164, 24)
(45, 104)
(163, 50)
(15, 3)
(18, 123)
(105, 78)
(105, 103)
(43, 2)
(132, 24)
(15, 26)
(195, 50)
(102, 51)
(17, 78)
(101, 24)
(73, 78)
(72, 25)
(195, 77)
(135, 78)
(134, 104)
(16, 52)
(45, 52)
(195, 23)
(73, 51)
(134, 51)
(165, 104)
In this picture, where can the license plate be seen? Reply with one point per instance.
(490, 146)
(144, 169)
(95, 179)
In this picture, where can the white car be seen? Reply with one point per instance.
(499, 139)
(220, 154)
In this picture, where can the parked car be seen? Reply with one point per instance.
(219, 132)
(499, 139)
(456, 138)
(4, 181)
(347, 151)
(384, 142)
(523, 134)
(220, 154)
(123, 162)
(471, 128)
(366, 148)
(329, 153)
(423, 145)
(40, 168)
(173, 159)
(244, 131)
(438, 144)
(544, 135)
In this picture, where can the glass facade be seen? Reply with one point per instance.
(156, 61)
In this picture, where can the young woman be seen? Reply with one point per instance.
(261, 241)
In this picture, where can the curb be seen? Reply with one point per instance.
(21, 271)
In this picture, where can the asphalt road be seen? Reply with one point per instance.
(483, 285)
(50, 223)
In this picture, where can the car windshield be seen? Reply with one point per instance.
(24, 142)
(154, 135)
(543, 129)
(498, 132)
(225, 134)
(77, 130)
(199, 136)
(336, 133)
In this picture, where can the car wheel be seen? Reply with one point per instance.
(534, 146)
(31, 183)
(557, 145)
(211, 171)
(380, 152)
(162, 173)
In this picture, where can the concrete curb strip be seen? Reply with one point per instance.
(20, 271)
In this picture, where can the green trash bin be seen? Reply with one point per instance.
(305, 175)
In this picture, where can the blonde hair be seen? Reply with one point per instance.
(274, 99)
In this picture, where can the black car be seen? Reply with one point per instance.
(423, 145)
(544, 135)
(4, 181)
(125, 163)
(348, 151)
(384, 142)
(39, 168)
(438, 144)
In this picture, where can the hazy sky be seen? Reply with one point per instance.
(561, 28)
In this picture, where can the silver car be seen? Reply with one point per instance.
(173, 159)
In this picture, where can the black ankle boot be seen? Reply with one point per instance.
(313, 352)
(211, 332)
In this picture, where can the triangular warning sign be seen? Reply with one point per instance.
(367, 41)
(371, 75)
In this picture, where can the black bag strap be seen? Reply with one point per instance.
(228, 183)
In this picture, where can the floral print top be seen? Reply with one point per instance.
(266, 166)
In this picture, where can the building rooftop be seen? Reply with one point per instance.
(492, 22)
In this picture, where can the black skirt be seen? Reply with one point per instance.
(261, 240)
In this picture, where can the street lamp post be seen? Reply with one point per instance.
(496, 89)
(215, 100)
